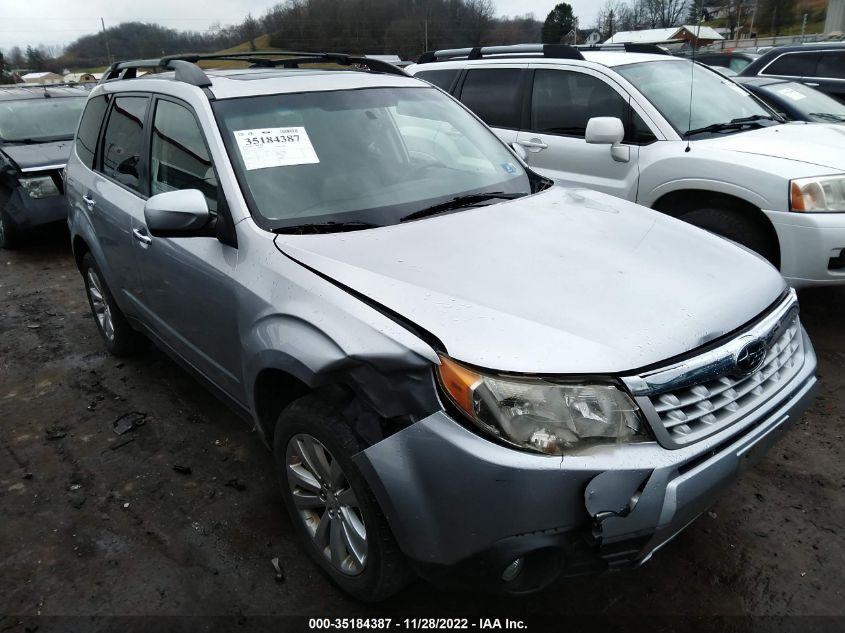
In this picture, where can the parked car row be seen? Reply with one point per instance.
(475, 358)
(685, 141)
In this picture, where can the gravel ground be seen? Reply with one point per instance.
(99, 524)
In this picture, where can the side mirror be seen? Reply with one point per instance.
(176, 213)
(608, 130)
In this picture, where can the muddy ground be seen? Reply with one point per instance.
(94, 523)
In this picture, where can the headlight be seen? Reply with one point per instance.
(811, 195)
(540, 415)
(39, 187)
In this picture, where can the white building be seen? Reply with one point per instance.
(42, 78)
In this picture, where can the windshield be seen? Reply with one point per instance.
(40, 120)
(715, 99)
(811, 102)
(370, 156)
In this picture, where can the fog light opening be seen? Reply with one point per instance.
(513, 570)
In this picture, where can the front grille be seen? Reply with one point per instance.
(693, 412)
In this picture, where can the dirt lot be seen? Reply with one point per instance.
(93, 525)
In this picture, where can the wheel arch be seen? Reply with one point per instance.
(680, 201)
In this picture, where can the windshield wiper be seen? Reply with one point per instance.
(460, 202)
(36, 141)
(733, 124)
(829, 116)
(326, 227)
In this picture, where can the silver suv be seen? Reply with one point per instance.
(464, 371)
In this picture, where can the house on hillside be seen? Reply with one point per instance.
(42, 78)
(691, 34)
(79, 78)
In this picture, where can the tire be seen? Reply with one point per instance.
(736, 226)
(313, 430)
(119, 337)
(9, 233)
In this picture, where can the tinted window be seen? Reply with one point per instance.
(124, 139)
(639, 133)
(179, 158)
(440, 78)
(562, 102)
(494, 95)
(793, 65)
(89, 129)
(832, 65)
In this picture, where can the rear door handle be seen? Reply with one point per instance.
(812, 84)
(142, 237)
(89, 202)
(533, 144)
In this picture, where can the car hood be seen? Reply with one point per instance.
(565, 281)
(816, 143)
(33, 157)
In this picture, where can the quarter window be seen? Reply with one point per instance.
(179, 158)
(123, 141)
(562, 102)
(494, 95)
(832, 65)
(89, 129)
(441, 78)
(793, 65)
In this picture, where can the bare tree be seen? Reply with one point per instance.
(662, 14)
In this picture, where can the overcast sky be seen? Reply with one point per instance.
(52, 22)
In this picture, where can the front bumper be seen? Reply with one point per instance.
(462, 508)
(28, 212)
(812, 247)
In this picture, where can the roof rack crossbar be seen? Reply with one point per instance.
(556, 51)
(628, 47)
(187, 71)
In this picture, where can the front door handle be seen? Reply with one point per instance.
(89, 202)
(533, 145)
(812, 84)
(142, 237)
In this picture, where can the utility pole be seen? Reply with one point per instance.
(803, 27)
(426, 34)
(106, 39)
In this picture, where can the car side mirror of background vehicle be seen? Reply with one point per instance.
(181, 213)
(520, 152)
(608, 130)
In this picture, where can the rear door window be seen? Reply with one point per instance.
(441, 78)
(831, 65)
(123, 141)
(495, 95)
(793, 65)
(89, 129)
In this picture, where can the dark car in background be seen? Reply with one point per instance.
(37, 124)
(734, 60)
(794, 100)
(819, 66)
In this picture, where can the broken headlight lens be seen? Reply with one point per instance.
(543, 416)
(39, 187)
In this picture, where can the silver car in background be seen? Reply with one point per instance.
(464, 371)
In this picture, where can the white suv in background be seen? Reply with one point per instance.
(665, 133)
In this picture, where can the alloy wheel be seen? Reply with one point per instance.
(326, 503)
(102, 311)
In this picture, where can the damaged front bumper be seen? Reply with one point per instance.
(463, 508)
(28, 213)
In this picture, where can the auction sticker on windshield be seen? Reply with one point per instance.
(275, 147)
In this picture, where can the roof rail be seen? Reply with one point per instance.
(187, 71)
(556, 51)
(628, 47)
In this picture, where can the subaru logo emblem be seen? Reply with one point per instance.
(750, 358)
